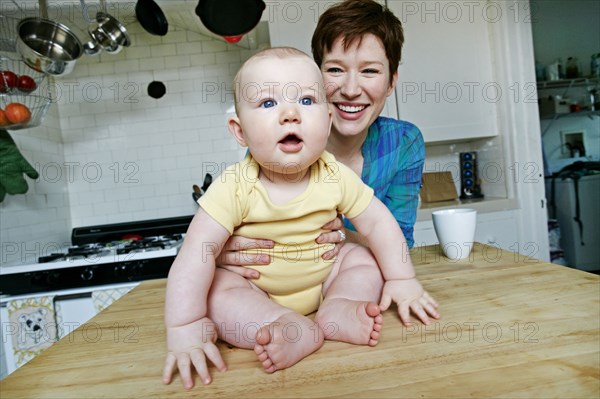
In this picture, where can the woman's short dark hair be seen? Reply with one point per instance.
(351, 20)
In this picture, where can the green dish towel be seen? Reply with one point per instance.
(12, 167)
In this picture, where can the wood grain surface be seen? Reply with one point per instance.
(511, 326)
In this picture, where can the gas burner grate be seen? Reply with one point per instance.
(150, 244)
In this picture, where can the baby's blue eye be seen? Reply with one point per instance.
(306, 101)
(268, 104)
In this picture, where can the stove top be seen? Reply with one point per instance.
(114, 250)
(105, 254)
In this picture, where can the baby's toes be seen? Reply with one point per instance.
(263, 356)
(268, 365)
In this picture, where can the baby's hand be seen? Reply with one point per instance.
(409, 295)
(192, 344)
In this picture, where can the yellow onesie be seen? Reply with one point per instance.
(239, 202)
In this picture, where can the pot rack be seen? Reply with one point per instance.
(36, 103)
(9, 21)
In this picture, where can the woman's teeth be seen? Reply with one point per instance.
(351, 108)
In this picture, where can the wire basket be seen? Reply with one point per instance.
(37, 106)
(8, 33)
(19, 68)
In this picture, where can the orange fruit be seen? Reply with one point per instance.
(3, 119)
(17, 113)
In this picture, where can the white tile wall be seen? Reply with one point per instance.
(37, 222)
(135, 157)
(110, 153)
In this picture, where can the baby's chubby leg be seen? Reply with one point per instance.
(349, 312)
(245, 317)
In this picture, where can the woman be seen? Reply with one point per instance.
(358, 44)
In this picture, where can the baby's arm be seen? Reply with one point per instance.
(190, 334)
(386, 241)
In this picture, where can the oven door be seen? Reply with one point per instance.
(71, 309)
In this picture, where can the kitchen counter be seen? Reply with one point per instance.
(511, 327)
(484, 205)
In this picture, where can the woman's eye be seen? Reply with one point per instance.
(370, 71)
(333, 70)
(268, 104)
(306, 101)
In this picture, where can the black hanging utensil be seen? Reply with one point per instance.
(231, 18)
(199, 192)
(151, 17)
(207, 182)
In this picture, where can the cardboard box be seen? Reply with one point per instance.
(438, 186)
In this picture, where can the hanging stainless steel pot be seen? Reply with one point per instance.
(47, 46)
(110, 34)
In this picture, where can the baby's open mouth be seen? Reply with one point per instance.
(290, 139)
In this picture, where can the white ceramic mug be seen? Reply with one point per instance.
(455, 230)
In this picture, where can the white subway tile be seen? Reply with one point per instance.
(152, 64)
(175, 37)
(177, 62)
(174, 150)
(163, 50)
(189, 48)
(226, 57)
(105, 208)
(100, 68)
(202, 59)
(213, 46)
(137, 52)
(141, 191)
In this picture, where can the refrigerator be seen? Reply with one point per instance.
(575, 203)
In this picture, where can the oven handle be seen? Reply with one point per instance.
(83, 292)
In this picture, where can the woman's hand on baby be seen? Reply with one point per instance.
(335, 234)
(231, 258)
(409, 295)
(190, 345)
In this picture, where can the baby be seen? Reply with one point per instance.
(285, 190)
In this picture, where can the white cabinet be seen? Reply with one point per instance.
(446, 85)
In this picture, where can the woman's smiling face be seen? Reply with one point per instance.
(357, 80)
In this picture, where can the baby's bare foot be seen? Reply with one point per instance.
(350, 321)
(286, 341)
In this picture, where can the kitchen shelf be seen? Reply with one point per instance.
(589, 83)
(555, 117)
(591, 114)
(567, 83)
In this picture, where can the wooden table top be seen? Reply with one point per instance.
(511, 327)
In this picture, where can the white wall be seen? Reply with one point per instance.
(39, 221)
(135, 157)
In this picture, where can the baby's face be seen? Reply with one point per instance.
(283, 113)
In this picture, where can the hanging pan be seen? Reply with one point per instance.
(230, 19)
(47, 46)
(151, 17)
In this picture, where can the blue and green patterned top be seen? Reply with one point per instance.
(394, 153)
